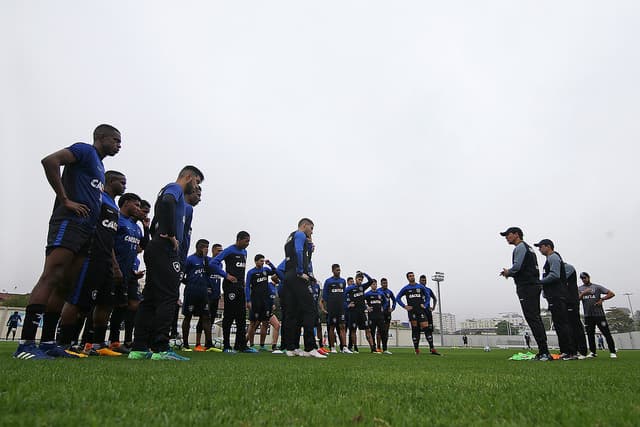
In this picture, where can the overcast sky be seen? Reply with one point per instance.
(412, 133)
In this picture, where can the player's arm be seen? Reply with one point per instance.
(399, 298)
(52, 164)
(115, 267)
(347, 298)
(367, 284)
(216, 264)
(518, 258)
(325, 291)
(609, 295)
(554, 270)
(434, 299)
(392, 297)
(299, 241)
(167, 219)
(247, 288)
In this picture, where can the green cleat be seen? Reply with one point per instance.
(139, 355)
(168, 355)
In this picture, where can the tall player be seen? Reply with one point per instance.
(75, 213)
(417, 303)
(334, 302)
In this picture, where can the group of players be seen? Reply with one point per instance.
(90, 276)
(559, 287)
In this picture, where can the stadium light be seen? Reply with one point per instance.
(439, 277)
(628, 294)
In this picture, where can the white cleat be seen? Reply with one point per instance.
(333, 350)
(277, 352)
(314, 353)
(387, 352)
(298, 352)
(591, 355)
(290, 353)
(613, 356)
(581, 356)
(346, 351)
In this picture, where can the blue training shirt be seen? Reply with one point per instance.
(126, 243)
(83, 181)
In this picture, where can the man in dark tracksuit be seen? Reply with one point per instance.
(525, 273)
(298, 276)
(573, 311)
(235, 261)
(553, 281)
(162, 259)
(377, 304)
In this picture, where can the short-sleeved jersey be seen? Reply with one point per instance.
(589, 300)
(106, 229)
(377, 303)
(14, 319)
(178, 226)
(257, 284)
(83, 181)
(235, 260)
(333, 293)
(417, 296)
(126, 244)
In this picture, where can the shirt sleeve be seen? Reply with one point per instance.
(216, 264)
(299, 243)
(400, 295)
(554, 270)
(518, 258)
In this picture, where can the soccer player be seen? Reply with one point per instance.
(527, 340)
(376, 305)
(354, 298)
(431, 298)
(318, 307)
(553, 281)
(235, 259)
(196, 294)
(12, 325)
(92, 292)
(525, 273)
(592, 297)
(258, 299)
(215, 281)
(334, 301)
(273, 321)
(75, 214)
(298, 250)
(162, 259)
(417, 305)
(573, 312)
(388, 293)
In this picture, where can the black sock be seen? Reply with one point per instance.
(66, 334)
(117, 316)
(49, 326)
(99, 333)
(32, 319)
(429, 337)
(415, 336)
(129, 323)
(87, 335)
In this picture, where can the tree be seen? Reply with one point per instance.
(619, 320)
(16, 301)
(502, 327)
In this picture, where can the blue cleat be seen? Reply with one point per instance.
(168, 355)
(249, 350)
(229, 351)
(30, 352)
(54, 350)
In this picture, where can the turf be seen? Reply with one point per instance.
(463, 387)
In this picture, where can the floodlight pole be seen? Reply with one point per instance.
(439, 277)
(628, 294)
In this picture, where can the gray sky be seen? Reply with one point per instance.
(410, 132)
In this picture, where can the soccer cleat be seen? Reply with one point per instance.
(54, 350)
(114, 345)
(290, 353)
(346, 351)
(199, 349)
(376, 352)
(168, 355)
(105, 351)
(229, 351)
(276, 351)
(417, 352)
(315, 353)
(76, 354)
(298, 352)
(333, 350)
(214, 349)
(434, 352)
(262, 348)
(581, 356)
(592, 355)
(543, 357)
(387, 352)
(379, 350)
(249, 350)
(322, 351)
(30, 352)
(613, 356)
(90, 352)
(569, 357)
(120, 348)
(139, 355)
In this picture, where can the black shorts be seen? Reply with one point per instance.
(94, 285)
(259, 312)
(358, 319)
(386, 317)
(120, 294)
(418, 314)
(195, 304)
(133, 290)
(335, 318)
(69, 235)
(429, 316)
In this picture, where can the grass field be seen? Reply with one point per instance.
(463, 387)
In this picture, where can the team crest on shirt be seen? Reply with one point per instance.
(176, 266)
(232, 296)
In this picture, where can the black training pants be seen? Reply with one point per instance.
(378, 325)
(590, 324)
(577, 329)
(560, 318)
(300, 310)
(235, 310)
(529, 296)
(161, 292)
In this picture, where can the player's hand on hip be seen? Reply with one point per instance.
(232, 278)
(77, 208)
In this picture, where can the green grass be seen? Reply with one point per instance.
(464, 387)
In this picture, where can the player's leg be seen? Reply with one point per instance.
(590, 328)
(529, 297)
(415, 334)
(558, 308)
(275, 328)
(187, 312)
(603, 326)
